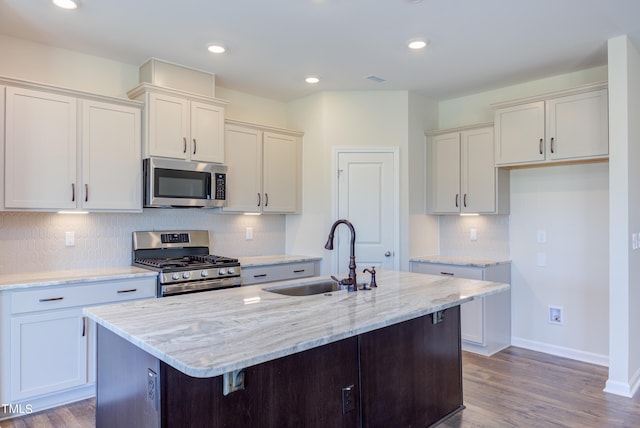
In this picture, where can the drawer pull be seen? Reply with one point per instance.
(260, 275)
(298, 271)
(51, 299)
(447, 273)
(84, 326)
(132, 290)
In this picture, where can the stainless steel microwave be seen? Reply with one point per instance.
(178, 183)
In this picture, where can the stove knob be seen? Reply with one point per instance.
(204, 273)
(186, 275)
(175, 276)
(222, 271)
(231, 271)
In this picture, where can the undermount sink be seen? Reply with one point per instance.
(306, 289)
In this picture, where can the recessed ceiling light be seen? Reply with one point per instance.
(66, 4)
(312, 79)
(417, 44)
(216, 49)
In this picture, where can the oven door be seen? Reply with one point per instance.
(198, 286)
(180, 183)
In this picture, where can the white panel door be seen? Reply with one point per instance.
(243, 151)
(280, 173)
(168, 126)
(367, 196)
(445, 173)
(207, 132)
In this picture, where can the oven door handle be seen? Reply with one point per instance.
(194, 286)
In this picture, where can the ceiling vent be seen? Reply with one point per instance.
(375, 78)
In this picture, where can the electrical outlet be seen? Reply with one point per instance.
(348, 399)
(555, 315)
(249, 233)
(473, 234)
(69, 239)
(541, 236)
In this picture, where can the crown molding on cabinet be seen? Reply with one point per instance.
(266, 128)
(148, 87)
(458, 129)
(571, 91)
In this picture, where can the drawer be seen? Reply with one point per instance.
(448, 270)
(87, 294)
(281, 272)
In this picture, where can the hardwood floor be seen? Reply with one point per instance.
(514, 388)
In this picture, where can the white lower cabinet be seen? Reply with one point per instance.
(279, 272)
(485, 323)
(50, 357)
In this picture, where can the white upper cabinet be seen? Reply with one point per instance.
(571, 126)
(463, 177)
(67, 151)
(181, 125)
(111, 157)
(264, 169)
(40, 150)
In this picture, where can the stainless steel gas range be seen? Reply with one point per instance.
(183, 262)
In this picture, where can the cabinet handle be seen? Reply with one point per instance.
(132, 290)
(73, 192)
(464, 200)
(259, 201)
(540, 146)
(266, 199)
(184, 145)
(86, 192)
(457, 196)
(552, 150)
(52, 299)
(298, 271)
(260, 275)
(84, 326)
(194, 146)
(447, 273)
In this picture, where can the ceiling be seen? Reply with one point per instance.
(272, 45)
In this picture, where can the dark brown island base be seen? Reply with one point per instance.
(268, 356)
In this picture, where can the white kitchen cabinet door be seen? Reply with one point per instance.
(264, 170)
(207, 132)
(520, 133)
(280, 176)
(40, 150)
(577, 126)
(478, 173)
(111, 157)
(243, 151)
(168, 126)
(445, 173)
(48, 353)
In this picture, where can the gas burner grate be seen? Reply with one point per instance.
(163, 263)
(210, 258)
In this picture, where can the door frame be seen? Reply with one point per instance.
(395, 151)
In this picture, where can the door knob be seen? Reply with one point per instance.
(387, 254)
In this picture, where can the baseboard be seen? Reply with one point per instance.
(560, 351)
(622, 388)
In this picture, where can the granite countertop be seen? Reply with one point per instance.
(459, 261)
(275, 259)
(65, 277)
(208, 334)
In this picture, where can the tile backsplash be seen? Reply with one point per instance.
(492, 236)
(36, 241)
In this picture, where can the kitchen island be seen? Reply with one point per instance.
(383, 357)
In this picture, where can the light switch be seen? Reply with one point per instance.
(541, 259)
(474, 234)
(249, 233)
(542, 236)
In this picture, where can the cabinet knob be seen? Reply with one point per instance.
(387, 254)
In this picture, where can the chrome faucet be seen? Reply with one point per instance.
(350, 282)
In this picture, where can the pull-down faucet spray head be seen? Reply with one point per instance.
(351, 281)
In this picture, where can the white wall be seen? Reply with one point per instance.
(570, 204)
(366, 120)
(35, 241)
(624, 208)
